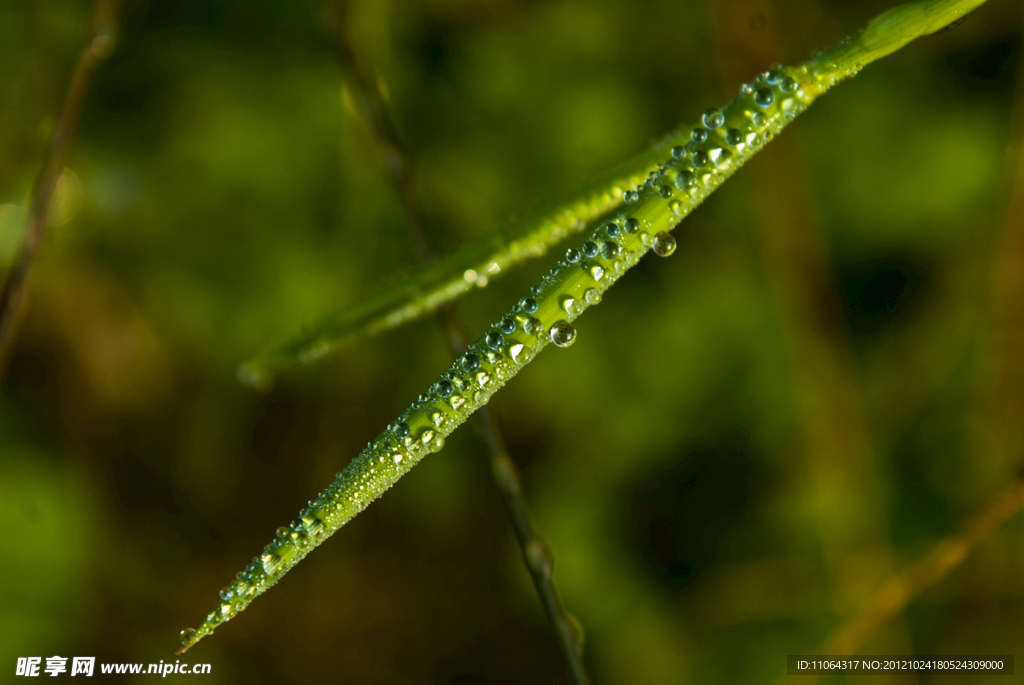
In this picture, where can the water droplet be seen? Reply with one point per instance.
(572, 255)
(436, 444)
(597, 272)
(685, 180)
(521, 354)
(445, 389)
(698, 135)
(664, 244)
(632, 225)
(470, 362)
(774, 74)
(764, 97)
(612, 230)
(483, 378)
(590, 248)
(507, 325)
(788, 85)
(572, 306)
(187, 635)
(592, 296)
(665, 192)
(457, 401)
(700, 158)
(426, 436)
(282, 532)
(271, 563)
(677, 208)
(401, 429)
(631, 196)
(494, 340)
(563, 334)
(678, 151)
(398, 458)
(532, 326)
(226, 593)
(746, 89)
(734, 136)
(713, 119)
(528, 305)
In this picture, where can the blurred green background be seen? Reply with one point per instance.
(745, 442)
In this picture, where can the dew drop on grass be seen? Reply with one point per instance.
(494, 340)
(572, 255)
(734, 136)
(665, 192)
(507, 326)
(563, 334)
(528, 305)
(610, 249)
(271, 563)
(698, 135)
(764, 97)
(664, 244)
(187, 635)
(401, 429)
(590, 248)
(470, 362)
(592, 296)
(678, 151)
(445, 389)
(532, 326)
(713, 119)
(572, 306)
(612, 230)
(632, 225)
(631, 196)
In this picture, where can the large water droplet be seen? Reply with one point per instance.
(590, 248)
(664, 244)
(457, 401)
(271, 563)
(445, 389)
(764, 97)
(563, 334)
(436, 444)
(494, 340)
(572, 255)
(572, 306)
(612, 230)
(713, 119)
(678, 151)
(507, 325)
(631, 196)
(734, 136)
(685, 180)
(401, 429)
(521, 354)
(665, 192)
(788, 85)
(610, 249)
(592, 296)
(597, 272)
(483, 378)
(470, 362)
(528, 305)
(226, 593)
(700, 158)
(632, 225)
(699, 135)
(187, 635)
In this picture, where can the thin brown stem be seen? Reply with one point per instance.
(13, 294)
(536, 554)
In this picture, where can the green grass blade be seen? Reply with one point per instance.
(724, 140)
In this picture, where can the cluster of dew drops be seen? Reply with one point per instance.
(713, 149)
(721, 143)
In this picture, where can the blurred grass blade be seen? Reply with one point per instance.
(474, 265)
(723, 141)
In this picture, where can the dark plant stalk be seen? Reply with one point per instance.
(12, 297)
(536, 554)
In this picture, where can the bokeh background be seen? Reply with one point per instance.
(745, 442)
